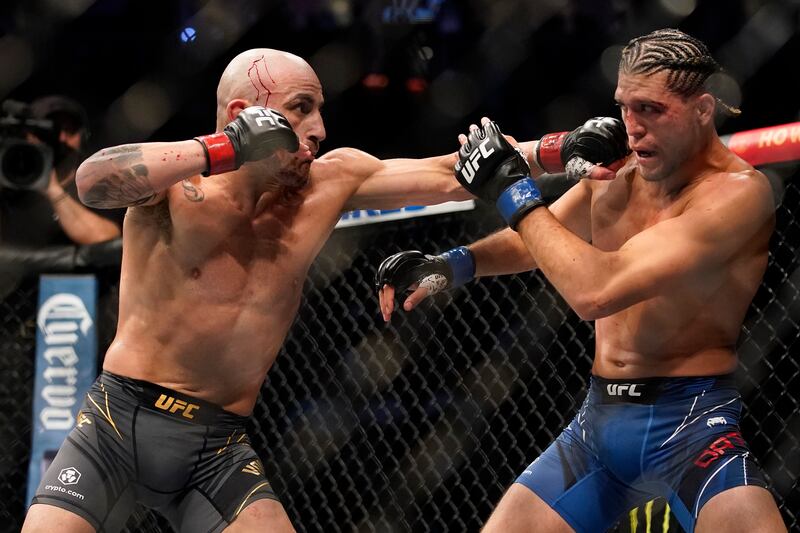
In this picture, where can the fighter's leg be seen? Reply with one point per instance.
(42, 518)
(88, 484)
(745, 509)
(521, 510)
(565, 489)
(262, 516)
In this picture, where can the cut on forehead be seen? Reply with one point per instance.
(256, 74)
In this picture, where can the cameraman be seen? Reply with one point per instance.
(50, 214)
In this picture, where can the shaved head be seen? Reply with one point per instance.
(258, 75)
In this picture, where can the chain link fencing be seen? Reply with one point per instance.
(421, 424)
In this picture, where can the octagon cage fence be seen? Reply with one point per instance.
(420, 425)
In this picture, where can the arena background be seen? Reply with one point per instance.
(419, 425)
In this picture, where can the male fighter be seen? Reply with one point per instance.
(665, 258)
(212, 276)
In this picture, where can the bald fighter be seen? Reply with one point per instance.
(665, 258)
(212, 275)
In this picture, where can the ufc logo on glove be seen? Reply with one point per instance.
(262, 115)
(472, 165)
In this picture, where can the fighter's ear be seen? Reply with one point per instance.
(706, 105)
(234, 107)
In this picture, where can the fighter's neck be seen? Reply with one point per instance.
(710, 158)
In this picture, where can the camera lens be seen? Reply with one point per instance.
(24, 165)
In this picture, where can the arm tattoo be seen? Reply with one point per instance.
(129, 186)
(192, 193)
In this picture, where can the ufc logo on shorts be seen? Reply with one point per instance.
(263, 115)
(168, 403)
(615, 389)
(472, 165)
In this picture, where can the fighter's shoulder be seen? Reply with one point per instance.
(343, 157)
(345, 163)
(737, 181)
(742, 187)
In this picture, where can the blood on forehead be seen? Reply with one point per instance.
(262, 80)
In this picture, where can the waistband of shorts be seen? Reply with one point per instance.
(178, 405)
(656, 389)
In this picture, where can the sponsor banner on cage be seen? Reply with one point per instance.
(369, 216)
(774, 144)
(66, 355)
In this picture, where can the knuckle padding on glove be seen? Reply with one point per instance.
(600, 140)
(403, 269)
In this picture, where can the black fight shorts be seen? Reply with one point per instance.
(136, 442)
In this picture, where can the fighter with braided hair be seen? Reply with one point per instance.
(686, 61)
(665, 258)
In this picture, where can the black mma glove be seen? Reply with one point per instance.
(256, 133)
(599, 141)
(493, 170)
(451, 269)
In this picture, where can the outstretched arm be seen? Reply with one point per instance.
(400, 182)
(395, 183)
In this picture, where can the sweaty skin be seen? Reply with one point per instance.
(679, 242)
(665, 258)
(213, 268)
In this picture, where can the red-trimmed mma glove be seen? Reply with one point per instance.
(599, 141)
(493, 170)
(256, 133)
(449, 270)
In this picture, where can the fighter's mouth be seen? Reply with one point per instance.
(644, 154)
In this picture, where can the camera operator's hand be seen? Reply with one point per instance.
(54, 191)
(82, 225)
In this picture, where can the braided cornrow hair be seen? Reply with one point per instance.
(687, 60)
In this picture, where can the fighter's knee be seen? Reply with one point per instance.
(262, 515)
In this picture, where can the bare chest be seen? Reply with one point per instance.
(232, 257)
(617, 217)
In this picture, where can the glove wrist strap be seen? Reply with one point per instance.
(548, 152)
(462, 262)
(220, 155)
(521, 197)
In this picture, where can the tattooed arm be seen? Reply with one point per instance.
(137, 174)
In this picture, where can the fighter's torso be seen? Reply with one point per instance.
(208, 292)
(689, 328)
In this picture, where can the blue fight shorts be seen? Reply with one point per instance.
(634, 440)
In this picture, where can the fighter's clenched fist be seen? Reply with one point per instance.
(424, 274)
(599, 141)
(256, 133)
